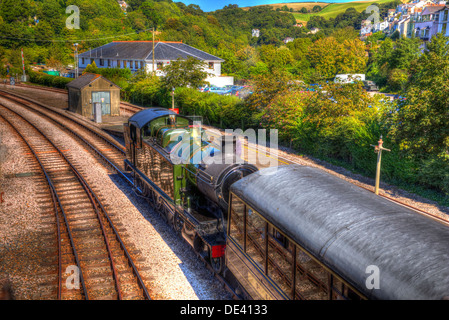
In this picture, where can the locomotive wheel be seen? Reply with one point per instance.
(217, 264)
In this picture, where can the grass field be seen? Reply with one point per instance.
(330, 10)
(334, 9)
(295, 5)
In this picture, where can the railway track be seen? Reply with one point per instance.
(88, 243)
(99, 143)
(126, 109)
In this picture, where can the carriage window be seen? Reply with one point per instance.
(311, 278)
(237, 224)
(255, 237)
(340, 291)
(280, 260)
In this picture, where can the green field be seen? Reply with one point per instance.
(334, 9)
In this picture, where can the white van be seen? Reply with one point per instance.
(349, 78)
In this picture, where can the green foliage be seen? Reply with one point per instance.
(224, 111)
(183, 73)
(48, 80)
(421, 123)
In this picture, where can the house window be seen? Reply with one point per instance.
(109, 62)
(211, 65)
(445, 15)
(118, 63)
(443, 29)
(159, 66)
(91, 61)
(142, 66)
(82, 60)
(124, 63)
(136, 64)
(130, 64)
(101, 62)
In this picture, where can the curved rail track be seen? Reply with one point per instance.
(95, 250)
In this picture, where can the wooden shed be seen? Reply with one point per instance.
(90, 88)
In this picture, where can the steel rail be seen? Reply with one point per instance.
(56, 203)
(94, 199)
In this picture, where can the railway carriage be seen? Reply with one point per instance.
(296, 232)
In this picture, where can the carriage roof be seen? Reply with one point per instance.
(350, 229)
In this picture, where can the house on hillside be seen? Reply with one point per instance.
(123, 5)
(255, 33)
(427, 23)
(288, 39)
(139, 55)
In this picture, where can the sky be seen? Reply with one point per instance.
(212, 5)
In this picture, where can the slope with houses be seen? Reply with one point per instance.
(419, 18)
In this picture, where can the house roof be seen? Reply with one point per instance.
(85, 80)
(143, 50)
(432, 9)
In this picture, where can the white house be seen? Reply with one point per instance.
(136, 55)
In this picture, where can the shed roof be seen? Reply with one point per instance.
(143, 50)
(87, 79)
(349, 229)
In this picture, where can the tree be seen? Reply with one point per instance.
(323, 56)
(185, 73)
(421, 122)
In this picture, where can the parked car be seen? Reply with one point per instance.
(203, 89)
(235, 90)
(218, 90)
(370, 86)
(244, 92)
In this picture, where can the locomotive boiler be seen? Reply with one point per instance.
(185, 176)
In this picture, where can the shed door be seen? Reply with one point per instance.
(104, 98)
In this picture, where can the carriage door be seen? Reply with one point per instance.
(103, 97)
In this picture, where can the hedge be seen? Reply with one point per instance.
(48, 80)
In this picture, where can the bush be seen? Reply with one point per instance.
(223, 111)
(48, 80)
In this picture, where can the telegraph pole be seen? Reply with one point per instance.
(153, 53)
(378, 149)
(24, 78)
(76, 60)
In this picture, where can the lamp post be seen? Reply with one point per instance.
(378, 149)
